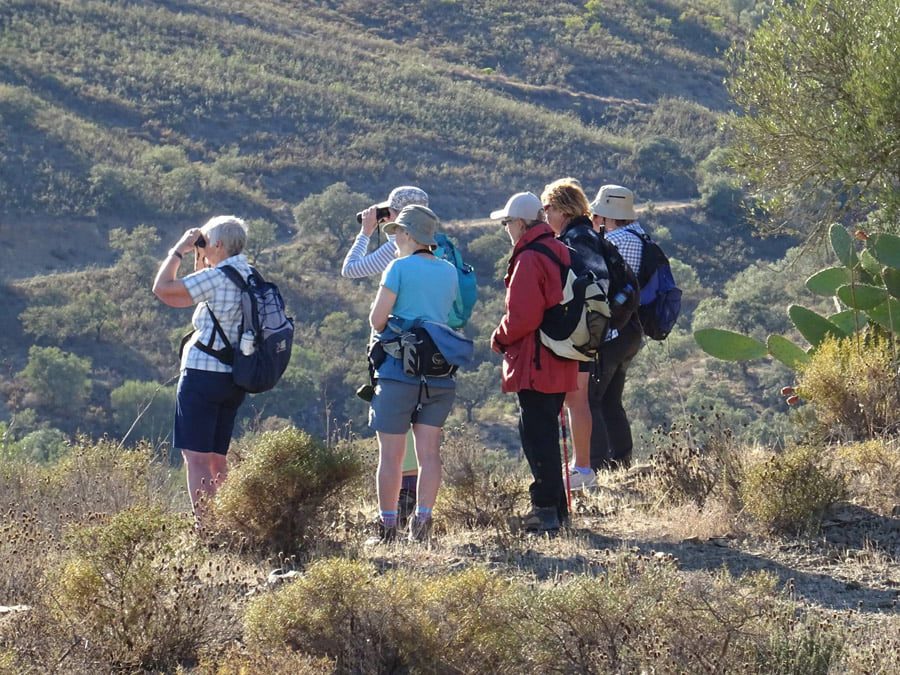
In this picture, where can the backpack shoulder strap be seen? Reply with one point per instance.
(643, 236)
(545, 250)
(226, 354)
(236, 277)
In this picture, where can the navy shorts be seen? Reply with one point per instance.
(205, 407)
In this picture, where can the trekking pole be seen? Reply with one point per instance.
(565, 444)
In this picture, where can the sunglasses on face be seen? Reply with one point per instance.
(506, 222)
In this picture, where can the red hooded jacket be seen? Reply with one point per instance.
(532, 286)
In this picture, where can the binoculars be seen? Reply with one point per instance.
(381, 213)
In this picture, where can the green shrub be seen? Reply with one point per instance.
(609, 623)
(133, 596)
(39, 445)
(721, 197)
(790, 492)
(344, 610)
(339, 608)
(470, 617)
(854, 385)
(638, 614)
(276, 491)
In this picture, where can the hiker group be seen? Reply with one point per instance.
(584, 284)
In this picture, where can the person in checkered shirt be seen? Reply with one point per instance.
(612, 213)
(207, 400)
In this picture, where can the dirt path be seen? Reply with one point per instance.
(667, 206)
(862, 576)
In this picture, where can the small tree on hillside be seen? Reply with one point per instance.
(150, 402)
(260, 238)
(475, 387)
(659, 164)
(91, 312)
(819, 86)
(58, 380)
(139, 254)
(326, 222)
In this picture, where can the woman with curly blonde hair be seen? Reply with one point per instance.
(568, 212)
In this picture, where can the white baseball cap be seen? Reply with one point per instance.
(524, 205)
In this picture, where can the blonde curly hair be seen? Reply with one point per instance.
(567, 196)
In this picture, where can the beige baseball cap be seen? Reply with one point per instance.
(614, 201)
(419, 221)
(524, 205)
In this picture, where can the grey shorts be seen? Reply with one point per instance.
(394, 402)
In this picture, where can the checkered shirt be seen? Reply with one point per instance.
(630, 247)
(211, 289)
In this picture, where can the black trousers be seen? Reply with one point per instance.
(611, 442)
(539, 431)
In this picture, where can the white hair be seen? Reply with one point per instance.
(230, 230)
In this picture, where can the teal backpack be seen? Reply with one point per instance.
(468, 286)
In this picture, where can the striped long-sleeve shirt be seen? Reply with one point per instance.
(357, 264)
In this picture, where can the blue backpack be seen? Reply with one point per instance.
(660, 297)
(263, 316)
(467, 294)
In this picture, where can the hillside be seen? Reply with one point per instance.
(115, 115)
(162, 110)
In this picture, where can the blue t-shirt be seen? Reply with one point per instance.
(426, 288)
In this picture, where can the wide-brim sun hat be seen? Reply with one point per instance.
(405, 195)
(524, 205)
(419, 221)
(614, 201)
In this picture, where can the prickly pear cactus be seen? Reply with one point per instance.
(866, 285)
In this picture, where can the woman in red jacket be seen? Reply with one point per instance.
(539, 377)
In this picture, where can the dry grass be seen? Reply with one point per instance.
(873, 472)
(635, 585)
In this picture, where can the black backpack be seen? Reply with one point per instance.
(270, 329)
(602, 258)
(660, 297)
(576, 327)
(624, 296)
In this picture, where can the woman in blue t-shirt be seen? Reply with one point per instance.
(415, 286)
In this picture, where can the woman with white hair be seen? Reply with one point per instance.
(207, 400)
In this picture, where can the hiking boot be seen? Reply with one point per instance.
(406, 506)
(383, 535)
(420, 529)
(581, 481)
(541, 520)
